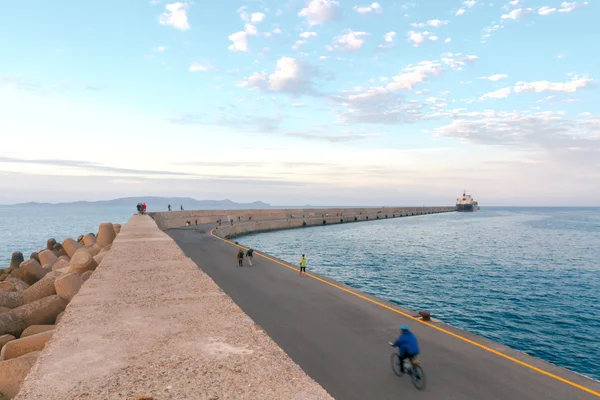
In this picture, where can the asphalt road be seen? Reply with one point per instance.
(341, 340)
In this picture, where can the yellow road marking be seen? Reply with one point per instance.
(481, 346)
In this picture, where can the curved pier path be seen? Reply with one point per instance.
(340, 336)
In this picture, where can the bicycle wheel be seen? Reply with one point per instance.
(418, 377)
(395, 361)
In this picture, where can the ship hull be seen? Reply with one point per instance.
(466, 207)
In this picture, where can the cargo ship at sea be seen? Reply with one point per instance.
(466, 203)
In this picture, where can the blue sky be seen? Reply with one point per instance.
(296, 102)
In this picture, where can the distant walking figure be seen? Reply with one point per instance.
(169, 207)
(143, 208)
(181, 207)
(249, 255)
(240, 257)
(139, 208)
(302, 265)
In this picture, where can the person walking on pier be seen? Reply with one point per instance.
(240, 257)
(302, 265)
(169, 207)
(249, 255)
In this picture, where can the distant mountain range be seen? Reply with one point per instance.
(160, 203)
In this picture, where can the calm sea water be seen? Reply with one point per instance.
(27, 228)
(528, 278)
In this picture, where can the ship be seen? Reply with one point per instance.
(465, 203)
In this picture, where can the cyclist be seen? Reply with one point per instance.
(408, 346)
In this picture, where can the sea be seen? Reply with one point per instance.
(528, 278)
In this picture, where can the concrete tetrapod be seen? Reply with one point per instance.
(68, 285)
(99, 257)
(60, 264)
(86, 275)
(32, 270)
(50, 243)
(42, 288)
(39, 312)
(89, 239)
(16, 260)
(35, 329)
(47, 257)
(18, 273)
(106, 234)
(4, 310)
(7, 286)
(70, 246)
(13, 373)
(17, 348)
(59, 317)
(82, 261)
(19, 284)
(93, 249)
(5, 339)
(12, 299)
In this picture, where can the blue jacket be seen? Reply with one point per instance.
(408, 342)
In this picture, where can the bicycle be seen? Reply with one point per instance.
(412, 367)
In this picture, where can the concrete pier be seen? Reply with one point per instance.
(150, 324)
(169, 315)
(275, 219)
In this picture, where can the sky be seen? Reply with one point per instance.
(295, 102)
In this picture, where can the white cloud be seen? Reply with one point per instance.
(277, 31)
(545, 10)
(389, 37)
(514, 3)
(298, 44)
(257, 17)
(575, 84)
(571, 6)
(350, 41)
(457, 61)
(201, 68)
(416, 37)
(518, 13)
(488, 30)
(435, 23)
(318, 12)
(160, 49)
(374, 7)
(433, 38)
(470, 3)
(497, 94)
(495, 77)
(309, 35)
(414, 75)
(448, 40)
(290, 76)
(176, 16)
(240, 41)
(250, 29)
(460, 11)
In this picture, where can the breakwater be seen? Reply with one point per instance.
(34, 294)
(151, 325)
(276, 219)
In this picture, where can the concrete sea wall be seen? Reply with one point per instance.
(273, 219)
